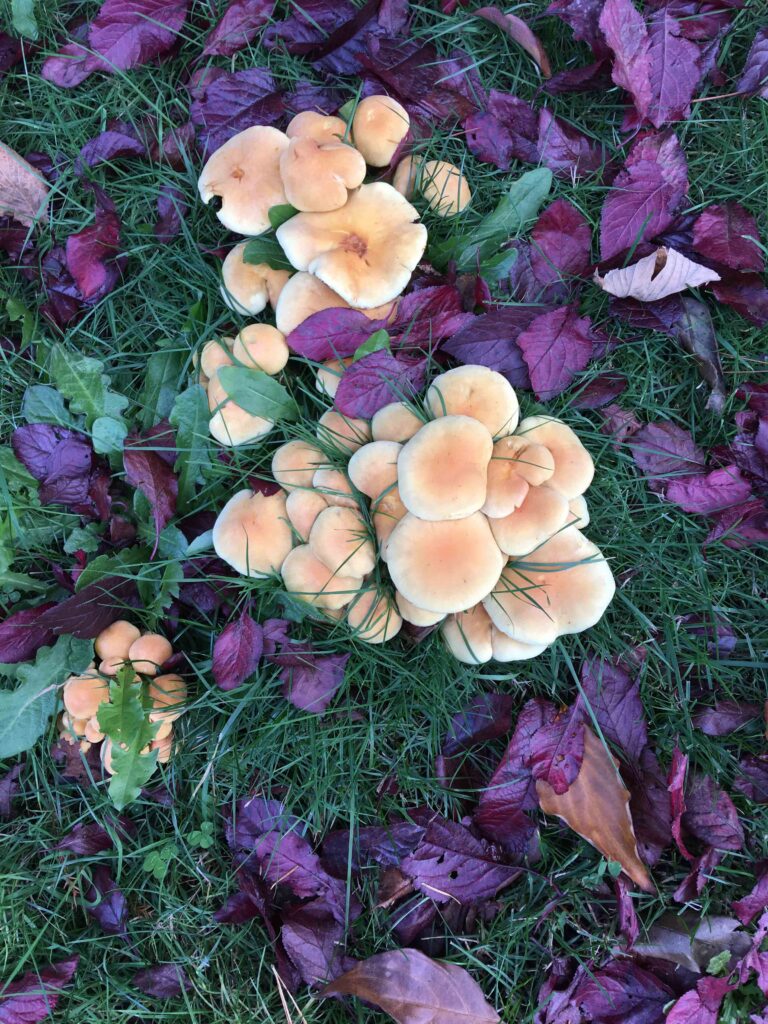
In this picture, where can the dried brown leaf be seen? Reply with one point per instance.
(692, 941)
(665, 272)
(23, 191)
(518, 32)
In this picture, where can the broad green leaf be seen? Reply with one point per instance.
(499, 267)
(266, 250)
(378, 340)
(133, 770)
(108, 435)
(127, 563)
(161, 382)
(19, 313)
(23, 18)
(280, 214)
(172, 544)
(257, 393)
(25, 710)
(125, 721)
(189, 417)
(85, 539)
(202, 543)
(82, 381)
(44, 404)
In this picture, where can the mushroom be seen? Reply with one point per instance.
(303, 507)
(406, 176)
(373, 468)
(366, 251)
(92, 730)
(83, 695)
(379, 126)
(230, 424)
(252, 533)
(245, 173)
(416, 616)
(339, 538)
(114, 641)
(294, 464)
(579, 512)
(342, 433)
(215, 353)
(468, 635)
(164, 747)
(167, 693)
(305, 294)
(309, 579)
(247, 287)
(149, 653)
(506, 649)
(444, 187)
(262, 347)
(479, 393)
(323, 128)
(564, 587)
(442, 471)
(574, 468)
(328, 376)
(516, 465)
(542, 513)
(374, 617)
(395, 422)
(318, 178)
(334, 486)
(444, 566)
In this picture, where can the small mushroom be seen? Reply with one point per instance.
(168, 694)
(406, 176)
(339, 538)
(442, 471)
(318, 178)
(479, 393)
(334, 486)
(245, 173)
(216, 353)
(365, 251)
(579, 512)
(445, 188)
(92, 730)
(506, 649)
(164, 747)
(374, 617)
(542, 513)
(114, 641)
(416, 616)
(303, 507)
(252, 533)
(373, 468)
(444, 566)
(395, 422)
(574, 468)
(83, 695)
(247, 287)
(342, 433)
(323, 128)
(262, 347)
(516, 465)
(294, 464)
(230, 424)
(379, 126)
(309, 579)
(468, 635)
(149, 653)
(305, 294)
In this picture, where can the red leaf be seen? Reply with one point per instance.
(626, 34)
(729, 234)
(675, 70)
(91, 609)
(583, 18)
(21, 634)
(705, 495)
(332, 334)
(676, 786)
(237, 652)
(710, 815)
(702, 1005)
(238, 26)
(35, 995)
(664, 451)
(377, 379)
(613, 695)
(91, 252)
(518, 32)
(162, 981)
(148, 471)
(747, 294)
(491, 340)
(506, 130)
(561, 241)
(564, 150)
(756, 901)
(557, 749)
(130, 32)
(230, 102)
(754, 78)
(555, 347)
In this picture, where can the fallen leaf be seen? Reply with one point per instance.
(695, 333)
(566, 151)
(91, 253)
(171, 209)
(238, 26)
(491, 340)
(596, 806)
(314, 941)
(691, 941)
(756, 901)
(376, 380)
(23, 191)
(310, 680)
(702, 1005)
(486, 717)
(413, 989)
(115, 143)
(664, 451)
(106, 903)
(32, 997)
(332, 334)
(711, 816)
(710, 493)
(754, 78)
(729, 234)
(518, 32)
(726, 717)
(747, 294)
(700, 873)
(626, 35)
(675, 69)
(555, 347)
(662, 273)
(232, 101)
(91, 838)
(236, 652)
(753, 778)
(21, 635)
(9, 790)
(506, 130)
(620, 991)
(163, 981)
(613, 697)
(149, 472)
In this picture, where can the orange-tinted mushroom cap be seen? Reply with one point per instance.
(149, 653)
(406, 176)
(164, 747)
(215, 353)
(245, 173)
(328, 376)
(334, 486)
(261, 347)
(516, 465)
(247, 287)
(114, 641)
(574, 468)
(379, 126)
(339, 538)
(478, 392)
(444, 566)
(445, 188)
(318, 178)
(505, 649)
(342, 433)
(230, 424)
(395, 422)
(168, 694)
(468, 635)
(543, 512)
(373, 468)
(309, 579)
(374, 617)
(365, 251)
(323, 128)
(294, 464)
(252, 533)
(303, 508)
(84, 694)
(442, 471)
(416, 616)
(579, 512)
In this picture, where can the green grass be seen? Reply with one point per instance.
(388, 720)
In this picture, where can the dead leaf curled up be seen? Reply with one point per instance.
(665, 272)
(23, 191)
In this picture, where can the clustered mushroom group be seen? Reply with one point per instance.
(118, 645)
(353, 245)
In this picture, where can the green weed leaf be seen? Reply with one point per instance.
(257, 393)
(280, 214)
(378, 340)
(84, 384)
(266, 250)
(189, 417)
(125, 720)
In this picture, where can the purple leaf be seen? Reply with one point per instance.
(275, 634)
(252, 819)
(664, 451)
(239, 25)
(701, 1005)
(21, 634)
(35, 995)
(561, 240)
(91, 609)
(9, 790)
(109, 906)
(592, 77)
(754, 78)
(700, 872)
(741, 526)
(232, 102)
(236, 652)
(676, 786)
(126, 33)
(149, 472)
(313, 939)
(70, 66)
(600, 391)
(626, 34)
(626, 916)
(614, 698)
(710, 493)
(716, 629)
(747, 294)
(91, 253)
(376, 380)
(645, 195)
(113, 144)
(331, 36)
(729, 234)
(675, 70)
(621, 991)
(583, 17)
(287, 860)
(64, 463)
(555, 347)
(171, 209)
(506, 130)
(557, 748)
(386, 845)
(163, 981)
(756, 901)
(310, 681)
(726, 717)
(92, 838)
(486, 717)
(711, 816)
(491, 340)
(426, 316)
(649, 805)
(753, 778)
(332, 334)
(651, 316)
(564, 150)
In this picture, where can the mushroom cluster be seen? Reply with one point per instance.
(353, 245)
(454, 512)
(83, 695)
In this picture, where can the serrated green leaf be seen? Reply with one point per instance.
(378, 340)
(125, 721)
(280, 214)
(166, 590)
(266, 250)
(132, 771)
(19, 313)
(82, 381)
(108, 434)
(257, 393)
(44, 404)
(127, 563)
(85, 539)
(189, 417)
(23, 18)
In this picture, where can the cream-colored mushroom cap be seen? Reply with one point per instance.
(444, 566)
(294, 464)
(247, 287)
(579, 512)
(312, 581)
(92, 732)
(252, 533)
(323, 128)
(574, 468)
(373, 468)
(84, 694)
(334, 486)
(516, 465)
(318, 178)
(416, 616)
(505, 649)
(445, 188)
(305, 294)
(563, 587)
(406, 175)
(395, 422)
(167, 693)
(442, 471)
(379, 126)
(468, 636)
(114, 641)
(339, 538)
(342, 433)
(245, 173)
(230, 424)
(328, 376)
(303, 508)
(149, 652)
(478, 392)
(261, 347)
(374, 617)
(365, 251)
(215, 353)
(543, 512)
(387, 512)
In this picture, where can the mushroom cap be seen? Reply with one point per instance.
(114, 641)
(373, 469)
(445, 188)
(82, 695)
(334, 486)
(406, 175)
(395, 422)
(294, 464)
(252, 533)
(342, 433)
(374, 617)
(261, 346)
(442, 471)
(323, 128)
(231, 425)
(468, 635)
(505, 649)
(563, 587)
(164, 747)
(340, 539)
(328, 376)
(303, 507)
(149, 653)
(379, 126)
(579, 512)
(245, 173)
(318, 178)
(215, 353)
(387, 512)
(246, 287)
(574, 467)
(543, 512)
(365, 251)
(478, 392)
(305, 294)
(516, 465)
(92, 732)
(309, 579)
(444, 566)
(416, 616)
(167, 693)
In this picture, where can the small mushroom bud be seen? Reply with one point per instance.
(445, 188)
(215, 354)
(309, 579)
(261, 347)
(92, 731)
(114, 641)
(334, 487)
(149, 653)
(378, 127)
(247, 287)
(164, 747)
(374, 617)
(302, 508)
(294, 464)
(323, 128)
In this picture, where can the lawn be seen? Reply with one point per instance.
(372, 755)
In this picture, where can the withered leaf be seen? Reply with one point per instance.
(518, 32)
(23, 191)
(596, 806)
(692, 941)
(665, 272)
